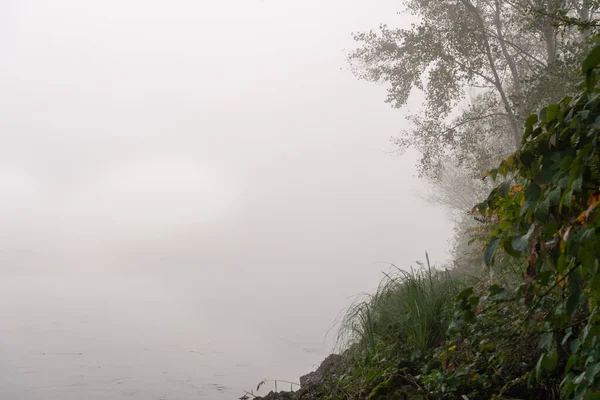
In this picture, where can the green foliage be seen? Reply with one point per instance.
(482, 356)
(548, 219)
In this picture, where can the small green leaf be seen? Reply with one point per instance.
(563, 182)
(572, 302)
(552, 112)
(507, 246)
(591, 61)
(591, 371)
(544, 277)
(521, 243)
(565, 100)
(468, 315)
(527, 156)
(583, 114)
(531, 120)
(545, 176)
(575, 345)
(493, 289)
(503, 189)
(542, 114)
(572, 360)
(464, 294)
(490, 251)
(542, 210)
(591, 79)
(533, 193)
(566, 199)
(561, 263)
(554, 196)
(565, 163)
(550, 361)
(527, 205)
(576, 185)
(494, 173)
(550, 230)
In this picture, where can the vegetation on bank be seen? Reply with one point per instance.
(533, 332)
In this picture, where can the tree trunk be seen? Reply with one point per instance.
(516, 131)
(585, 16)
(510, 60)
(550, 35)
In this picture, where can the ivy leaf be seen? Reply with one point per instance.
(494, 289)
(572, 360)
(550, 360)
(521, 243)
(494, 173)
(531, 120)
(507, 246)
(543, 208)
(591, 371)
(490, 251)
(554, 196)
(575, 345)
(590, 80)
(591, 61)
(576, 185)
(527, 157)
(550, 230)
(561, 263)
(542, 114)
(552, 112)
(533, 193)
(465, 294)
(503, 189)
(527, 205)
(565, 163)
(572, 302)
(566, 200)
(563, 182)
(468, 315)
(545, 176)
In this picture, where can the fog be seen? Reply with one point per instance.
(191, 192)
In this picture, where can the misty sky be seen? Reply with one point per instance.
(221, 140)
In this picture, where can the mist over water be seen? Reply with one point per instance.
(190, 194)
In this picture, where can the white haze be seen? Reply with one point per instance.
(190, 193)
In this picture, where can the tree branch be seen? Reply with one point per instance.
(518, 48)
(488, 52)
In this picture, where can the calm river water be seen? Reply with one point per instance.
(111, 337)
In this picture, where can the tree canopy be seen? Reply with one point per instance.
(509, 56)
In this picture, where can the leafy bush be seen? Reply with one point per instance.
(546, 215)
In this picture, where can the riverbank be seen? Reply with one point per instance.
(413, 340)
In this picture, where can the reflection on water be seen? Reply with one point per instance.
(101, 337)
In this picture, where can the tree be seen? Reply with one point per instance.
(511, 53)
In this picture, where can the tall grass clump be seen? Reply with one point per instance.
(411, 308)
